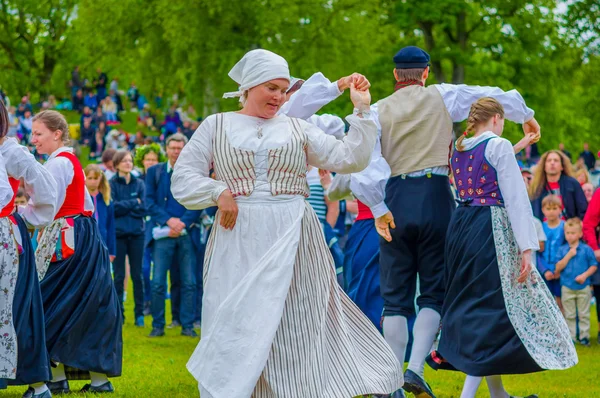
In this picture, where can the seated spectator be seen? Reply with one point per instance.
(136, 140)
(132, 96)
(13, 122)
(115, 96)
(91, 101)
(97, 145)
(110, 110)
(88, 132)
(24, 106)
(172, 122)
(25, 125)
(78, 104)
(87, 114)
(579, 164)
(187, 129)
(98, 116)
(146, 118)
(51, 102)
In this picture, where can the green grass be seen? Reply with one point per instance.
(156, 368)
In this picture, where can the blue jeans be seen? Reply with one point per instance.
(146, 271)
(178, 252)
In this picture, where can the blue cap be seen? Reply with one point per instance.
(411, 57)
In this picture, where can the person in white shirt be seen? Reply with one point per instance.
(275, 323)
(413, 209)
(498, 316)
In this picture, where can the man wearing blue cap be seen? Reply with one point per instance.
(416, 137)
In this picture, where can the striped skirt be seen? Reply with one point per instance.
(275, 322)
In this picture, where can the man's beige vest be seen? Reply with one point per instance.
(416, 129)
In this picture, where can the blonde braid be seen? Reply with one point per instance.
(481, 111)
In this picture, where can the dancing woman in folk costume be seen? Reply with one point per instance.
(74, 268)
(498, 316)
(275, 322)
(23, 356)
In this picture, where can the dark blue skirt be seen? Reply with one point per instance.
(33, 362)
(477, 335)
(83, 317)
(361, 269)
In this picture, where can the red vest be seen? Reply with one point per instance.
(75, 196)
(364, 213)
(10, 207)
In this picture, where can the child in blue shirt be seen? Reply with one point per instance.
(555, 238)
(577, 265)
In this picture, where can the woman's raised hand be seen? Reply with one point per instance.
(228, 209)
(360, 98)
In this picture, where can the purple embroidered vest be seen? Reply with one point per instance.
(475, 178)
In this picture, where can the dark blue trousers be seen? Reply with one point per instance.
(422, 208)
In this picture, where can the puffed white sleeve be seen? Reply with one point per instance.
(62, 170)
(38, 183)
(339, 188)
(6, 192)
(459, 97)
(368, 186)
(500, 154)
(315, 93)
(330, 124)
(350, 155)
(191, 184)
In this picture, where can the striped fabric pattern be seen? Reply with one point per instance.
(286, 171)
(325, 346)
(232, 165)
(287, 165)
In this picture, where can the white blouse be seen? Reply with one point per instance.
(315, 93)
(38, 183)
(63, 172)
(500, 153)
(193, 188)
(6, 192)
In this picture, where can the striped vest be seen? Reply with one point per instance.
(286, 169)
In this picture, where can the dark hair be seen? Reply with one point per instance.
(108, 155)
(3, 119)
(119, 156)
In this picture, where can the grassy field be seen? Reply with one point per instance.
(156, 368)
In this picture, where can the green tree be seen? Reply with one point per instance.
(33, 38)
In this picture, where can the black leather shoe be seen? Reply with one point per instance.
(104, 388)
(156, 332)
(59, 387)
(414, 384)
(189, 332)
(30, 393)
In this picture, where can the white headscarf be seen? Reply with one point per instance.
(257, 67)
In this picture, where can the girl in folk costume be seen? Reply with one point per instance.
(74, 268)
(23, 357)
(275, 322)
(498, 316)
